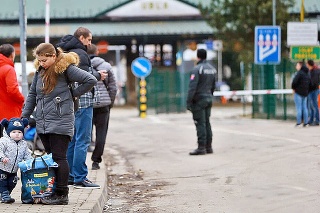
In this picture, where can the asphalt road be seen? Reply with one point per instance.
(258, 165)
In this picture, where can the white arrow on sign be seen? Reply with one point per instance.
(140, 66)
(266, 51)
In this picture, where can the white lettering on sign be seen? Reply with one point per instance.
(154, 8)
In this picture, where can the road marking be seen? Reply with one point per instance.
(298, 188)
(258, 135)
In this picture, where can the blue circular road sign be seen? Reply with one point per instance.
(141, 67)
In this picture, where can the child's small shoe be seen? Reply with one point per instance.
(6, 198)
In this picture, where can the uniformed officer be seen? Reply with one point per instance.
(199, 101)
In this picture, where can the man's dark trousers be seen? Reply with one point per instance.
(201, 111)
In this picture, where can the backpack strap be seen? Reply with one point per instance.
(70, 84)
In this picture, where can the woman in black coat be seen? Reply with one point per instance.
(300, 85)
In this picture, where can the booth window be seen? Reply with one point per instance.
(159, 55)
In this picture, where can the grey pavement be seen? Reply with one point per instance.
(258, 165)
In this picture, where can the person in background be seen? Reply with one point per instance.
(300, 85)
(50, 95)
(199, 101)
(11, 99)
(313, 94)
(13, 150)
(101, 110)
(78, 147)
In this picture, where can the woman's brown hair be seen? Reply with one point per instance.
(50, 76)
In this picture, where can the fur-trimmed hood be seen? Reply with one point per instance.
(66, 60)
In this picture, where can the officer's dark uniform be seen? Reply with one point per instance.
(199, 102)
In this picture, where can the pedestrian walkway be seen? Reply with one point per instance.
(80, 200)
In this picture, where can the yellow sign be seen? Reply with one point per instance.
(299, 53)
(45, 174)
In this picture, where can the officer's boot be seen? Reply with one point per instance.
(58, 197)
(209, 149)
(6, 198)
(201, 150)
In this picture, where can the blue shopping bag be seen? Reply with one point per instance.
(38, 180)
(41, 162)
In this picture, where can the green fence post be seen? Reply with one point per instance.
(155, 86)
(284, 87)
(167, 85)
(243, 78)
(254, 100)
(269, 83)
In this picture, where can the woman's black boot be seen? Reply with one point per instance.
(58, 197)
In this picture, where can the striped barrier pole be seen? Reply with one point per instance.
(253, 92)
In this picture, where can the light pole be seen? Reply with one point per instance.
(23, 44)
(47, 35)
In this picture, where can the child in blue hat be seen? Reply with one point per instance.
(13, 149)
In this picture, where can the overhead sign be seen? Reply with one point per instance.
(214, 45)
(299, 53)
(141, 67)
(267, 45)
(302, 33)
(154, 8)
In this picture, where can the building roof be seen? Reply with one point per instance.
(94, 15)
(69, 9)
(102, 18)
(310, 6)
(113, 29)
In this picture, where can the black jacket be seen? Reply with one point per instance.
(202, 82)
(314, 75)
(301, 82)
(69, 43)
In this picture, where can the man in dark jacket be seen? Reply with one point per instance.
(300, 85)
(101, 110)
(313, 94)
(199, 101)
(77, 150)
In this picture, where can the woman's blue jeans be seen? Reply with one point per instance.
(301, 108)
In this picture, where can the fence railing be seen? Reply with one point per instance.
(271, 90)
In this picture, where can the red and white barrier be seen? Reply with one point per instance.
(253, 92)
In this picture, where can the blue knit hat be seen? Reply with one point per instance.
(14, 124)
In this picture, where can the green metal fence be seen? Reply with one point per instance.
(166, 91)
(280, 106)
